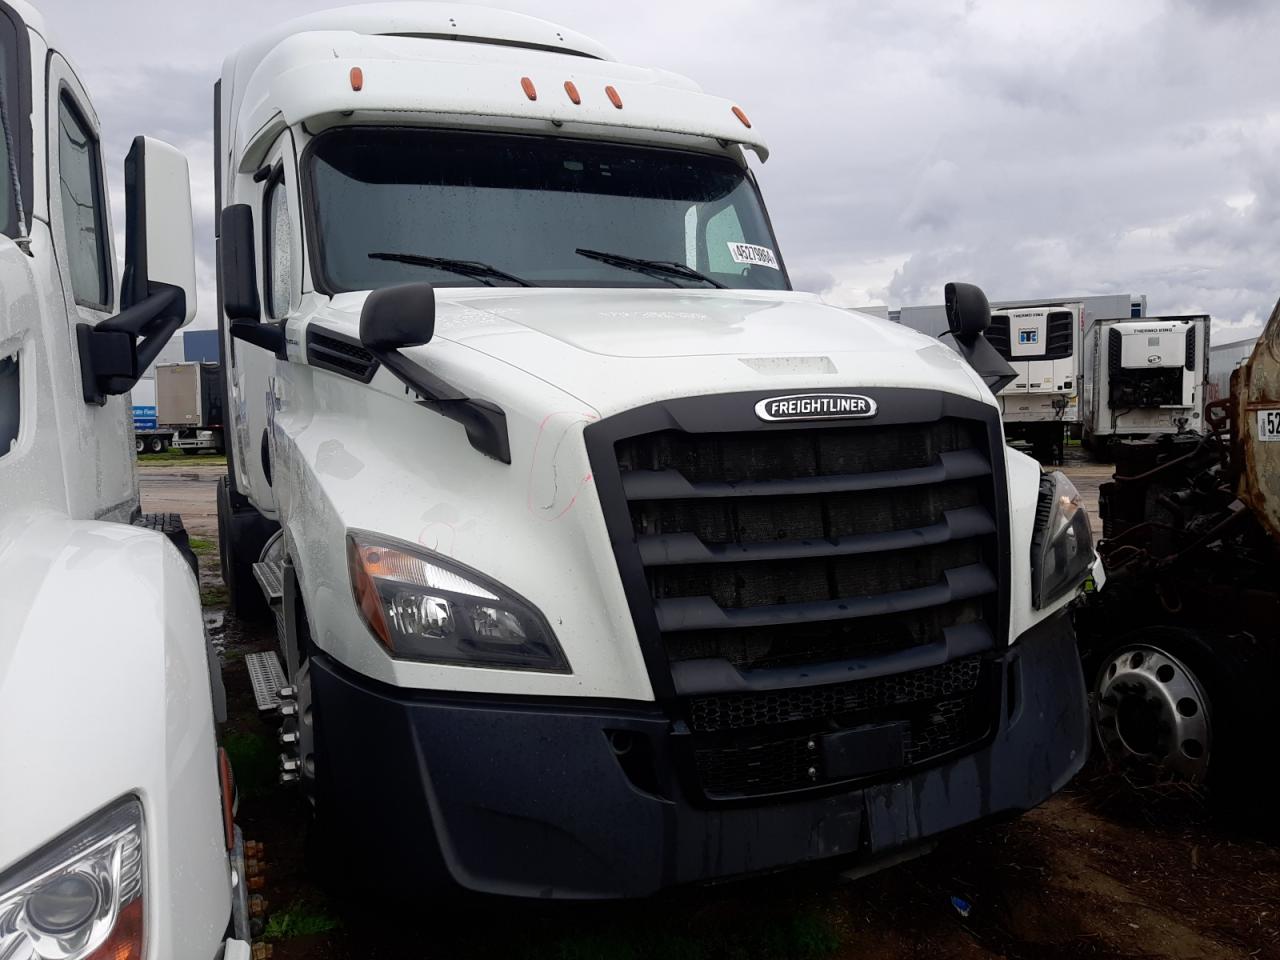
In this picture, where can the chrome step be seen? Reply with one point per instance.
(269, 574)
(267, 679)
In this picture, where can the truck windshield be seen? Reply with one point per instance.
(386, 203)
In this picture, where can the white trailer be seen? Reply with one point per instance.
(603, 560)
(1043, 340)
(1145, 377)
(116, 832)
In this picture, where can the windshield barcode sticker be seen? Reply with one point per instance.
(752, 255)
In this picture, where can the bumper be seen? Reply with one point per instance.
(532, 799)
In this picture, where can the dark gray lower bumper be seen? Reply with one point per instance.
(531, 799)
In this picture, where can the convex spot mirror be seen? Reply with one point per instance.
(968, 317)
(158, 293)
(399, 316)
(968, 311)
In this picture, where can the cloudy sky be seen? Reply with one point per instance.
(1038, 149)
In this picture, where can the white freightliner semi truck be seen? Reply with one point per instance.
(116, 834)
(602, 560)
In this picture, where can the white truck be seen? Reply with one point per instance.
(116, 831)
(1144, 377)
(602, 560)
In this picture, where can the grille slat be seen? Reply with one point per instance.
(829, 571)
(703, 613)
(674, 485)
(659, 550)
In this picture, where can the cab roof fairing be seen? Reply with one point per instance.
(307, 78)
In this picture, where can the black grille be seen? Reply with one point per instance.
(751, 769)
(783, 559)
(339, 354)
(745, 710)
(1060, 328)
(998, 334)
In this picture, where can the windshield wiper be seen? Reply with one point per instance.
(662, 269)
(483, 272)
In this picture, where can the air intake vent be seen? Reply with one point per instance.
(1191, 347)
(340, 354)
(1061, 335)
(998, 333)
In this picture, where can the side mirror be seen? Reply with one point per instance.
(400, 316)
(237, 265)
(968, 317)
(238, 277)
(968, 311)
(158, 292)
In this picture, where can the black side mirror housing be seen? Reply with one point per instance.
(158, 290)
(399, 316)
(968, 311)
(237, 266)
(968, 317)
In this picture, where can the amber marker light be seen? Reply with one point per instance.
(530, 90)
(737, 112)
(357, 79)
(572, 91)
(613, 97)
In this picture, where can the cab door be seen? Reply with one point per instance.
(99, 468)
(255, 372)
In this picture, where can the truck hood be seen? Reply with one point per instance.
(617, 349)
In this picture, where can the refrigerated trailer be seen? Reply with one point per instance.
(1145, 377)
(1043, 340)
(602, 561)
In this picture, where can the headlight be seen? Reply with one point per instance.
(424, 607)
(1062, 545)
(80, 898)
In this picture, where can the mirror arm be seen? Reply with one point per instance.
(268, 336)
(986, 361)
(485, 422)
(111, 358)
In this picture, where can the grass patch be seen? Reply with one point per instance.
(202, 547)
(300, 919)
(177, 456)
(254, 760)
(213, 596)
(807, 935)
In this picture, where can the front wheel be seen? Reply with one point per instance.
(1154, 710)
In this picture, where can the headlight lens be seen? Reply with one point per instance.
(81, 898)
(1062, 546)
(424, 607)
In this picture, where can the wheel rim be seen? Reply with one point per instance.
(1151, 708)
(156, 445)
(140, 445)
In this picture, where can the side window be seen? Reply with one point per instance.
(83, 217)
(722, 229)
(277, 247)
(10, 403)
(8, 170)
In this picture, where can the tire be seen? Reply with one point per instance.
(140, 444)
(156, 445)
(241, 537)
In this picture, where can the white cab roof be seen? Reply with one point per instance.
(448, 63)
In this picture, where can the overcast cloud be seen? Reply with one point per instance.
(1036, 149)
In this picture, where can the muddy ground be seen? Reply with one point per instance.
(1105, 869)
